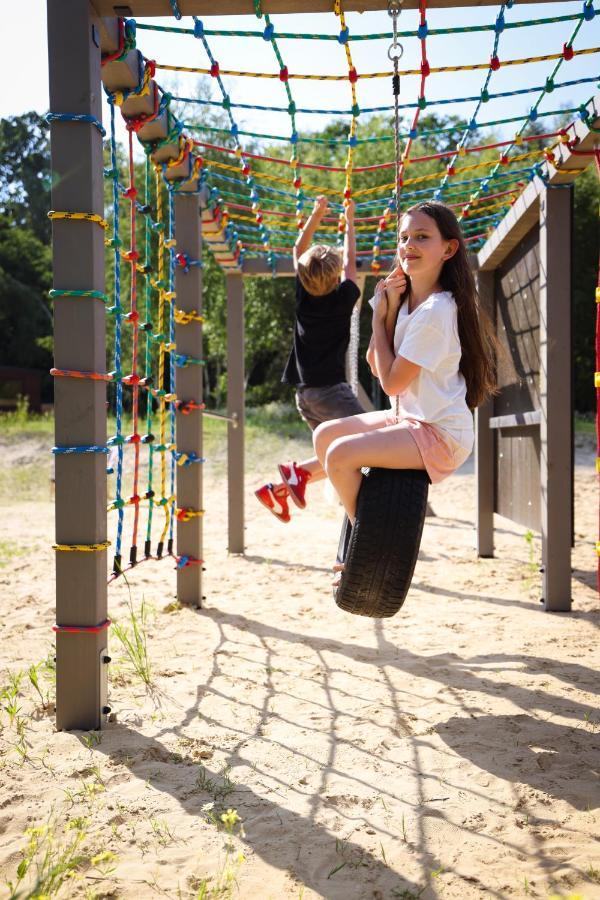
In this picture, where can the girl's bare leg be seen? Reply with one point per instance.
(390, 447)
(327, 432)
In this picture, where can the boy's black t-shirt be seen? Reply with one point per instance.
(321, 336)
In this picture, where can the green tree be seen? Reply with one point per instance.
(584, 280)
(25, 173)
(25, 317)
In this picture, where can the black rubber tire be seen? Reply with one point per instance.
(380, 551)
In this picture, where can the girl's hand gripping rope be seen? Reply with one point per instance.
(395, 285)
(380, 302)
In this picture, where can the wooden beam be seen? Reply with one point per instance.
(256, 267)
(188, 287)
(273, 7)
(485, 442)
(235, 408)
(79, 344)
(555, 396)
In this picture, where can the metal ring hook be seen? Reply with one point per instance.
(399, 52)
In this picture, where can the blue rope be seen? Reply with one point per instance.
(191, 458)
(73, 117)
(147, 250)
(172, 379)
(92, 448)
(118, 319)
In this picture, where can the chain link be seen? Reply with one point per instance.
(395, 50)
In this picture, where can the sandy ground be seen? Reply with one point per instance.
(451, 752)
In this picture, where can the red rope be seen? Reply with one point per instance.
(289, 215)
(386, 165)
(134, 319)
(74, 373)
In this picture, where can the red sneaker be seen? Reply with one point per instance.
(275, 499)
(295, 478)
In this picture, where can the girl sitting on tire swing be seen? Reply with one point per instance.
(432, 350)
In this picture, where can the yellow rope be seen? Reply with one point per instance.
(119, 96)
(163, 349)
(439, 70)
(184, 514)
(337, 8)
(84, 548)
(183, 317)
(434, 176)
(85, 217)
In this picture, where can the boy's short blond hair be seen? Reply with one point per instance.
(319, 269)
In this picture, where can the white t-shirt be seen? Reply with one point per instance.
(429, 337)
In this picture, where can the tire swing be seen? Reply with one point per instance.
(380, 550)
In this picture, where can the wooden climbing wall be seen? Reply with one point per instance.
(516, 408)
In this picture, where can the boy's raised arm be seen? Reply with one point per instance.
(349, 263)
(305, 237)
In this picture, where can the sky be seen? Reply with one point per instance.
(23, 53)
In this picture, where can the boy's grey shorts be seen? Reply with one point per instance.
(320, 404)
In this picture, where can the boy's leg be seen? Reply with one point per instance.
(316, 406)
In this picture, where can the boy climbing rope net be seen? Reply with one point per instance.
(317, 363)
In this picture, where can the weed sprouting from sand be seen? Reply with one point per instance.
(593, 873)
(173, 606)
(531, 568)
(591, 723)
(350, 856)
(9, 696)
(407, 893)
(528, 537)
(217, 790)
(53, 856)
(34, 677)
(133, 639)
(225, 882)
(88, 790)
(162, 833)
(91, 739)
(404, 838)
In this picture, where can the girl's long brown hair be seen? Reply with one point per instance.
(477, 339)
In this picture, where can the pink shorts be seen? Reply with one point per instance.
(440, 452)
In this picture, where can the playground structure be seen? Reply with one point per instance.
(500, 223)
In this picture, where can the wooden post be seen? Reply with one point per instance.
(189, 384)
(484, 442)
(235, 407)
(555, 395)
(79, 344)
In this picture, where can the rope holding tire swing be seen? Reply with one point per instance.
(379, 552)
(395, 53)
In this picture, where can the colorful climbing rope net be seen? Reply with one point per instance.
(258, 196)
